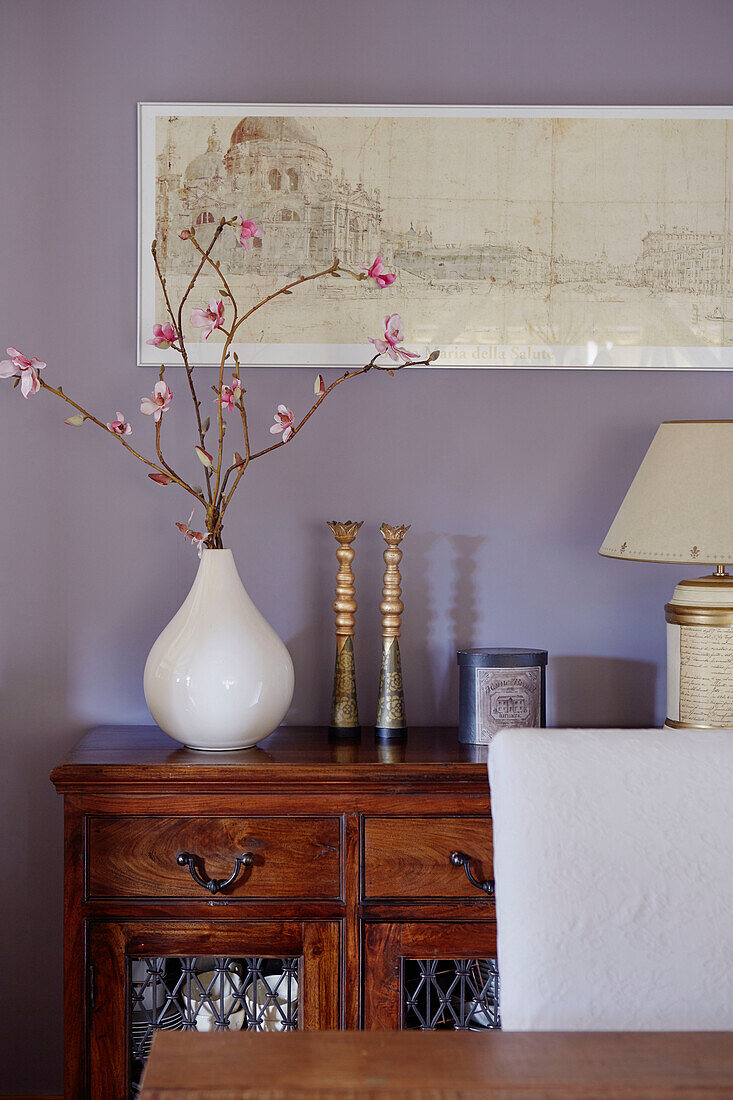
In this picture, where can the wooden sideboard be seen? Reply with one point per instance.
(310, 881)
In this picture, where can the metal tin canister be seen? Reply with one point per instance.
(499, 688)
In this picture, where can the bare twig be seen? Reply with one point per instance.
(242, 465)
(285, 290)
(159, 452)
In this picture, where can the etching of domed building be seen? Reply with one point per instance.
(276, 172)
(497, 233)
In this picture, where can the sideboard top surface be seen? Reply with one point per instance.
(139, 756)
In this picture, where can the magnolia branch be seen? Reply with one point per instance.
(216, 266)
(217, 497)
(287, 289)
(158, 450)
(240, 463)
(206, 258)
(221, 498)
(242, 411)
(178, 326)
(371, 365)
(225, 351)
(219, 492)
(115, 435)
(242, 466)
(181, 349)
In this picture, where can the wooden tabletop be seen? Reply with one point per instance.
(139, 755)
(393, 1065)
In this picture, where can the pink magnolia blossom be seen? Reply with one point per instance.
(19, 366)
(319, 386)
(392, 337)
(250, 229)
(376, 271)
(283, 423)
(163, 336)
(230, 394)
(196, 538)
(208, 319)
(227, 398)
(120, 425)
(158, 402)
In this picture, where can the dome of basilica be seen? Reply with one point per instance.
(204, 167)
(209, 164)
(271, 128)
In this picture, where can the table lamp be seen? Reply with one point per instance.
(679, 508)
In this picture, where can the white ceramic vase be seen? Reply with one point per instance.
(218, 677)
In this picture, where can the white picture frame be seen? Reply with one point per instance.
(565, 195)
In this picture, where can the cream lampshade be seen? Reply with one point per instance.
(679, 508)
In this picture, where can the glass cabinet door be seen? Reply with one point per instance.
(431, 976)
(255, 976)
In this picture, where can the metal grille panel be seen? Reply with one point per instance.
(450, 994)
(196, 993)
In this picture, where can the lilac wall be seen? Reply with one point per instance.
(509, 479)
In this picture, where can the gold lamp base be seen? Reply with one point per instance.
(700, 653)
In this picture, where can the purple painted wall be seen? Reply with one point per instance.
(509, 479)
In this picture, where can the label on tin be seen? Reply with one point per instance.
(506, 697)
(706, 675)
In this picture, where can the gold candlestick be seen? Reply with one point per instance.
(344, 708)
(391, 723)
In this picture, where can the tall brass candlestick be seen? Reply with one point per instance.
(344, 708)
(391, 723)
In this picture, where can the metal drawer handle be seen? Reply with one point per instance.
(214, 885)
(460, 859)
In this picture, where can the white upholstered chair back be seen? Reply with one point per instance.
(613, 861)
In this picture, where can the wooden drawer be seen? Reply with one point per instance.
(409, 857)
(136, 857)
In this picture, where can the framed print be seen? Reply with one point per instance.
(521, 237)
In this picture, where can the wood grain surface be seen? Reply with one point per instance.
(135, 857)
(410, 858)
(142, 757)
(440, 1066)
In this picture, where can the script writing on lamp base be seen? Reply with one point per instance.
(706, 675)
